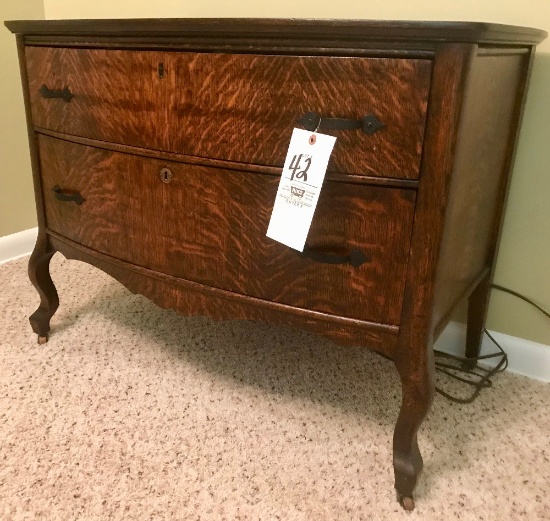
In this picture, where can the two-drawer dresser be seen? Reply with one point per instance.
(157, 147)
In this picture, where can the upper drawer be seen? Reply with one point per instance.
(236, 107)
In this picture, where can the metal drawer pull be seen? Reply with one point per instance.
(354, 257)
(64, 94)
(312, 121)
(67, 195)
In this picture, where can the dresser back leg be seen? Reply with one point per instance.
(477, 311)
(39, 274)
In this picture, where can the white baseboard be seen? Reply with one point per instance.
(17, 245)
(524, 356)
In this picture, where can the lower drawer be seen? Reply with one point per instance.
(208, 225)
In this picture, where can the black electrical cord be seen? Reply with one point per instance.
(522, 297)
(478, 377)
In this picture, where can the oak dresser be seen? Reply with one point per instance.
(157, 148)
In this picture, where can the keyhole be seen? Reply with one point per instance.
(165, 175)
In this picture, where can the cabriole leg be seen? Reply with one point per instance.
(39, 274)
(417, 394)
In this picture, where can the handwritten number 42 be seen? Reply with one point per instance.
(298, 169)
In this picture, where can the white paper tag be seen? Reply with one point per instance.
(301, 181)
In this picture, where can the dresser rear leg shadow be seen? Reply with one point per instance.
(39, 275)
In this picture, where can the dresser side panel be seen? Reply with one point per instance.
(480, 171)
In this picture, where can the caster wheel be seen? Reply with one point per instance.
(42, 339)
(407, 503)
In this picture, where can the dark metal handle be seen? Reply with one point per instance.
(354, 257)
(313, 121)
(67, 195)
(64, 94)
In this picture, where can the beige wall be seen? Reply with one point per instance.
(17, 210)
(534, 13)
(525, 249)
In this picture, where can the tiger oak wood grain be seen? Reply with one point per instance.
(208, 225)
(243, 107)
(428, 209)
(227, 165)
(235, 107)
(117, 94)
(191, 298)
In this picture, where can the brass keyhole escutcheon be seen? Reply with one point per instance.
(166, 175)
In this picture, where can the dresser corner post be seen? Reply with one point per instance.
(39, 275)
(414, 358)
(39, 263)
(32, 137)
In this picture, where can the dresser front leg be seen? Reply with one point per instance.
(417, 394)
(39, 274)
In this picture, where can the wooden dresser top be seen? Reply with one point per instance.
(289, 30)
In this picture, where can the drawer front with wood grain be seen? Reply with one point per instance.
(208, 225)
(236, 107)
(243, 108)
(109, 95)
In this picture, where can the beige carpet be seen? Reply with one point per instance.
(133, 412)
